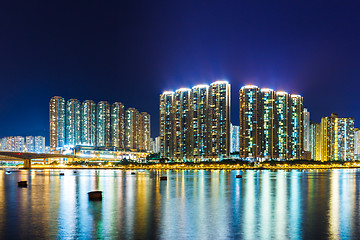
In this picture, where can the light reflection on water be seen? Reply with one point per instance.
(189, 205)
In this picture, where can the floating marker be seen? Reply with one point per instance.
(95, 196)
(22, 184)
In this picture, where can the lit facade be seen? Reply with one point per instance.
(145, 132)
(88, 123)
(234, 139)
(19, 144)
(29, 144)
(73, 122)
(271, 124)
(166, 124)
(195, 123)
(118, 125)
(157, 145)
(296, 127)
(282, 141)
(132, 129)
(96, 125)
(250, 127)
(181, 134)
(57, 122)
(337, 139)
(103, 124)
(315, 136)
(219, 120)
(39, 144)
(357, 144)
(199, 120)
(307, 129)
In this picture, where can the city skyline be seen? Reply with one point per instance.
(120, 57)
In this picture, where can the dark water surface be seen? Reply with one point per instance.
(189, 205)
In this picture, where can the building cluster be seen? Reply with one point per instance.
(195, 123)
(34, 144)
(333, 139)
(274, 125)
(271, 124)
(101, 125)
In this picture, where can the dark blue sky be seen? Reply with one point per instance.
(133, 51)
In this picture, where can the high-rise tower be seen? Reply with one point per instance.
(337, 138)
(296, 127)
(57, 122)
(282, 125)
(267, 123)
(219, 120)
(199, 120)
(117, 125)
(145, 132)
(166, 124)
(132, 129)
(307, 130)
(181, 137)
(88, 123)
(73, 121)
(103, 124)
(250, 125)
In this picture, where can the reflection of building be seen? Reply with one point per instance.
(57, 122)
(337, 139)
(234, 138)
(271, 124)
(195, 123)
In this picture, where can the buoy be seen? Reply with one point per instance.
(238, 176)
(95, 196)
(62, 174)
(22, 184)
(75, 171)
(163, 178)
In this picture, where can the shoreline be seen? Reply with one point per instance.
(228, 167)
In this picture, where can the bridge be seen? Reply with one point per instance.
(27, 157)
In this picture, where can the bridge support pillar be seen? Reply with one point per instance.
(27, 163)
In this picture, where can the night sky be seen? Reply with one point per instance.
(132, 51)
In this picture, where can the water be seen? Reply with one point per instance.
(189, 205)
